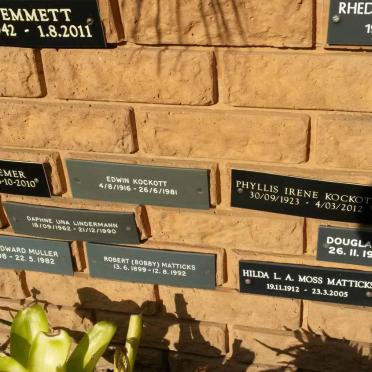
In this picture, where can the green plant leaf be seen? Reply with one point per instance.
(27, 324)
(8, 364)
(91, 347)
(121, 363)
(49, 352)
(133, 339)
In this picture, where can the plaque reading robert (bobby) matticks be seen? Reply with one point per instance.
(339, 244)
(350, 23)
(301, 196)
(306, 282)
(144, 265)
(23, 178)
(139, 184)
(51, 24)
(47, 256)
(72, 224)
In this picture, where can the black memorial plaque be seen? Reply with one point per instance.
(23, 178)
(139, 184)
(51, 24)
(338, 244)
(72, 224)
(306, 282)
(301, 197)
(180, 269)
(350, 23)
(47, 256)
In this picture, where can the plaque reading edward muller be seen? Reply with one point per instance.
(181, 269)
(51, 24)
(306, 282)
(47, 256)
(139, 184)
(301, 197)
(72, 224)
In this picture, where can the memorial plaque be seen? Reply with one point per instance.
(139, 184)
(350, 23)
(72, 224)
(51, 24)
(180, 269)
(23, 178)
(306, 282)
(47, 256)
(301, 197)
(337, 244)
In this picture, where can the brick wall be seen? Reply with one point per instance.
(211, 85)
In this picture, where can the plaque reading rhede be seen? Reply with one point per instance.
(301, 197)
(345, 245)
(180, 269)
(23, 178)
(72, 224)
(306, 282)
(51, 24)
(350, 23)
(139, 184)
(47, 256)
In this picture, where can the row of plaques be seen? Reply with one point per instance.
(189, 188)
(186, 269)
(77, 24)
(144, 265)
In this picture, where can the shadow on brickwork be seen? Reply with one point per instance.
(190, 342)
(322, 353)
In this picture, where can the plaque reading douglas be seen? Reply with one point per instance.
(301, 197)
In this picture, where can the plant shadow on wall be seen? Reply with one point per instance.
(223, 14)
(191, 339)
(323, 353)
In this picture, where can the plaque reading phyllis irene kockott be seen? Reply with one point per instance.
(350, 23)
(139, 184)
(181, 269)
(23, 178)
(51, 24)
(301, 196)
(72, 224)
(306, 282)
(339, 244)
(47, 256)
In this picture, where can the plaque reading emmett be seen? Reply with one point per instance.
(23, 178)
(72, 224)
(47, 256)
(338, 244)
(301, 197)
(306, 282)
(139, 184)
(180, 269)
(51, 24)
(350, 23)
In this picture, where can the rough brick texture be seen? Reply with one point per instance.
(241, 135)
(131, 75)
(342, 141)
(67, 126)
(244, 22)
(298, 80)
(19, 73)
